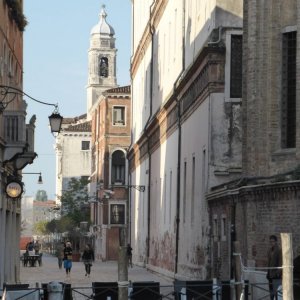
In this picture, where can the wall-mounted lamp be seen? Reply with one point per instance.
(40, 180)
(8, 94)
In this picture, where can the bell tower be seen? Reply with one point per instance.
(101, 61)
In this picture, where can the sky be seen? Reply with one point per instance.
(56, 43)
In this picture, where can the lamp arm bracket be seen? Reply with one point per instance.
(5, 91)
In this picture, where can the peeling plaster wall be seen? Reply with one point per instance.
(210, 140)
(225, 140)
(163, 204)
(193, 212)
(139, 213)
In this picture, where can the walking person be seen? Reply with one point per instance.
(87, 258)
(274, 264)
(60, 253)
(68, 251)
(129, 255)
(37, 247)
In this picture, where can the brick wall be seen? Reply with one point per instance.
(257, 212)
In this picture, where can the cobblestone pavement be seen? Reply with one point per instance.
(101, 271)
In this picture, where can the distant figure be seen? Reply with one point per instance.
(30, 248)
(37, 247)
(68, 251)
(87, 258)
(274, 263)
(60, 253)
(129, 255)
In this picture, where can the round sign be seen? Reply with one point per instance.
(14, 189)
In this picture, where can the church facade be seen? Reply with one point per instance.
(186, 128)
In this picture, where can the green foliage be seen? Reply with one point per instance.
(64, 224)
(74, 201)
(40, 228)
(16, 13)
(74, 209)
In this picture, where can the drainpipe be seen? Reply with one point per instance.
(232, 238)
(179, 143)
(152, 29)
(219, 38)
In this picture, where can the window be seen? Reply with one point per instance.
(215, 228)
(288, 109)
(193, 190)
(103, 67)
(117, 214)
(118, 167)
(184, 191)
(236, 66)
(12, 128)
(119, 115)
(223, 228)
(85, 145)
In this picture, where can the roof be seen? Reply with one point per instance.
(103, 28)
(84, 126)
(119, 90)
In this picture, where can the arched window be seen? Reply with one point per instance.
(118, 167)
(103, 67)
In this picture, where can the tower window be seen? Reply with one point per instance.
(288, 109)
(103, 67)
(85, 145)
(119, 115)
(118, 167)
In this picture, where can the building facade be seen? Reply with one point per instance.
(16, 137)
(265, 199)
(73, 152)
(111, 140)
(186, 127)
(110, 111)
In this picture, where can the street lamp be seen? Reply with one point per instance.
(8, 94)
(40, 180)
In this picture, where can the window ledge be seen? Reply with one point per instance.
(284, 152)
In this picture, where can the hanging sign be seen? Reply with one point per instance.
(14, 189)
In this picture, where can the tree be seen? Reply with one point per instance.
(74, 201)
(40, 228)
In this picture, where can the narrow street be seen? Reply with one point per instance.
(81, 285)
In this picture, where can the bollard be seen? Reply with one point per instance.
(55, 291)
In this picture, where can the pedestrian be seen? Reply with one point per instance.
(37, 247)
(68, 258)
(60, 253)
(30, 248)
(274, 264)
(129, 255)
(87, 258)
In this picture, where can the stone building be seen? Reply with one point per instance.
(110, 111)
(265, 199)
(73, 152)
(16, 137)
(110, 140)
(101, 61)
(186, 127)
(95, 144)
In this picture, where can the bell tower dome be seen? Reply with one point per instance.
(101, 61)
